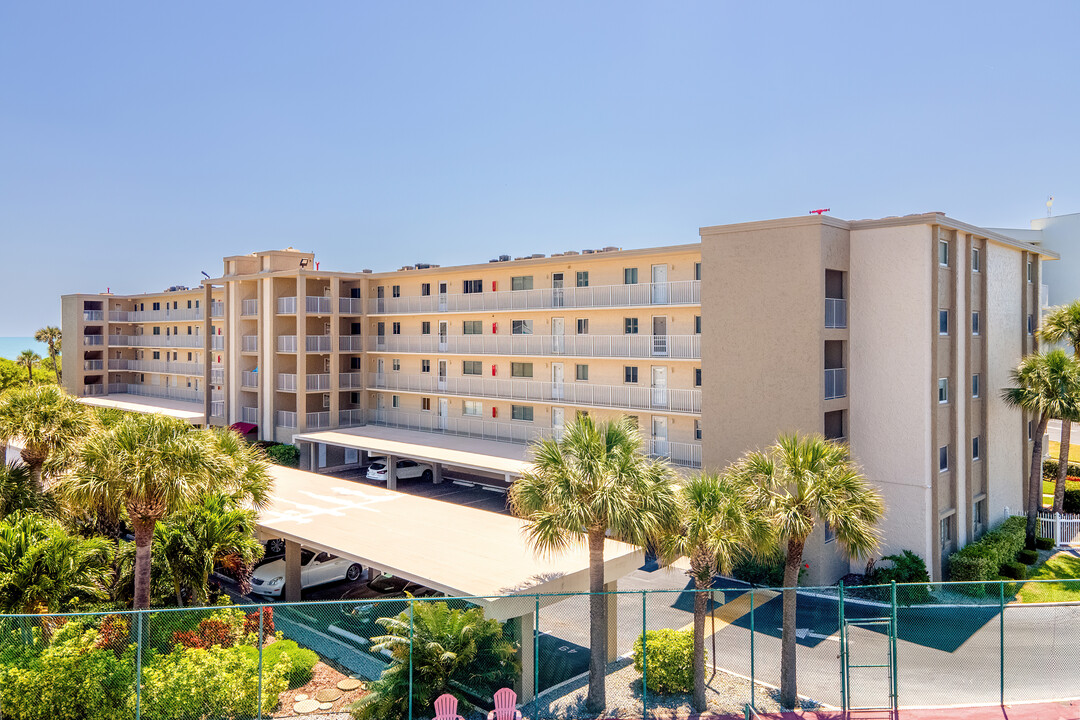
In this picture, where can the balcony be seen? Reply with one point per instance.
(217, 408)
(351, 343)
(348, 380)
(350, 306)
(217, 309)
(249, 380)
(249, 343)
(619, 346)
(285, 418)
(249, 307)
(835, 313)
(350, 418)
(158, 391)
(628, 397)
(318, 343)
(318, 420)
(286, 306)
(93, 315)
(162, 341)
(217, 342)
(249, 415)
(157, 366)
(166, 315)
(317, 305)
(95, 365)
(683, 292)
(286, 343)
(835, 383)
(93, 389)
(286, 382)
(217, 376)
(318, 382)
(93, 340)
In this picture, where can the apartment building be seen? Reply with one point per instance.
(893, 334)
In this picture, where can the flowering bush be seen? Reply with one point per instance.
(251, 623)
(211, 631)
(115, 633)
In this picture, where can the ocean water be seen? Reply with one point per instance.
(10, 347)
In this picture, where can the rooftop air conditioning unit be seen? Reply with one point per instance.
(537, 255)
(504, 258)
(571, 252)
(587, 252)
(612, 248)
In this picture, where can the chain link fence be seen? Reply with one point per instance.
(880, 647)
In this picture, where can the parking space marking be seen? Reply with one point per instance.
(728, 613)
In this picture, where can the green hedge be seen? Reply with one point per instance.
(1050, 469)
(1071, 503)
(981, 561)
(1043, 543)
(1015, 570)
(1028, 557)
(287, 455)
(301, 660)
(670, 659)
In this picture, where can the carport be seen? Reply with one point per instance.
(457, 550)
(486, 456)
(189, 411)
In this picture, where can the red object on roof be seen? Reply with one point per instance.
(244, 428)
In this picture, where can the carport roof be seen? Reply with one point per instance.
(192, 412)
(452, 548)
(472, 453)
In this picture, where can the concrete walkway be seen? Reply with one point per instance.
(1067, 710)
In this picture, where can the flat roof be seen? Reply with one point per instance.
(472, 453)
(456, 549)
(192, 412)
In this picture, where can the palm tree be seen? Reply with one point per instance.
(717, 526)
(593, 481)
(152, 466)
(50, 335)
(48, 422)
(1047, 385)
(798, 482)
(1062, 324)
(19, 495)
(28, 359)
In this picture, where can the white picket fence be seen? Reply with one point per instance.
(1063, 528)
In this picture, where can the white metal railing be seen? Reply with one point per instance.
(249, 343)
(249, 379)
(835, 383)
(95, 365)
(285, 418)
(286, 343)
(350, 418)
(93, 315)
(118, 315)
(249, 307)
(1062, 528)
(318, 343)
(286, 306)
(348, 380)
(93, 389)
(249, 415)
(217, 309)
(94, 339)
(157, 366)
(169, 341)
(317, 420)
(217, 342)
(351, 343)
(678, 453)
(167, 315)
(286, 382)
(317, 305)
(217, 376)
(681, 292)
(320, 381)
(628, 346)
(350, 306)
(569, 392)
(217, 408)
(158, 391)
(835, 313)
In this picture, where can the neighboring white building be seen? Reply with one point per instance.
(1061, 234)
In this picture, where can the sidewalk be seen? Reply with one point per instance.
(1068, 710)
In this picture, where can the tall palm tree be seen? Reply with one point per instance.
(799, 482)
(19, 495)
(1062, 324)
(1047, 385)
(152, 466)
(29, 360)
(50, 335)
(592, 481)
(717, 526)
(48, 422)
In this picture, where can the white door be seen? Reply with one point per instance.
(444, 413)
(380, 408)
(659, 386)
(659, 336)
(380, 373)
(380, 299)
(444, 330)
(557, 290)
(442, 374)
(442, 297)
(558, 337)
(556, 381)
(558, 420)
(659, 436)
(659, 284)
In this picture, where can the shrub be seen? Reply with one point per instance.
(1071, 504)
(212, 631)
(251, 623)
(906, 568)
(981, 561)
(287, 455)
(670, 659)
(1014, 569)
(1050, 470)
(301, 660)
(1044, 543)
(114, 634)
(1028, 557)
(766, 573)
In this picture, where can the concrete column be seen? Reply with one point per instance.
(335, 355)
(523, 628)
(612, 620)
(208, 353)
(391, 472)
(306, 451)
(292, 571)
(437, 473)
(301, 353)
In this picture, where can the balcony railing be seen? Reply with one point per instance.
(286, 382)
(318, 382)
(677, 453)
(350, 418)
(249, 343)
(835, 383)
(249, 415)
(318, 420)
(626, 346)
(571, 393)
(157, 366)
(93, 340)
(249, 307)
(286, 343)
(163, 341)
(93, 315)
(285, 418)
(217, 309)
(286, 306)
(318, 343)
(350, 306)
(317, 305)
(217, 408)
(835, 313)
(249, 379)
(95, 365)
(158, 391)
(348, 380)
(93, 389)
(351, 343)
(166, 315)
(682, 292)
(217, 342)
(217, 376)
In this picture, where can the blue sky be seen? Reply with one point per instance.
(141, 142)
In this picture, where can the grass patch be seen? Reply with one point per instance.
(1062, 567)
(1055, 451)
(1048, 489)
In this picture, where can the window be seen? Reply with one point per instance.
(943, 390)
(976, 450)
(326, 401)
(976, 261)
(583, 278)
(630, 326)
(472, 367)
(354, 364)
(697, 429)
(175, 305)
(157, 330)
(425, 366)
(471, 327)
(396, 364)
(521, 327)
(157, 355)
(943, 253)
(1030, 324)
(697, 271)
(157, 305)
(630, 373)
(425, 404)
(943, 322)
(425, 289)
(581, 372)
(830, 534)
(473, 286)
(629, 276)
(978, 513)
(196, 303)
(189, 304)
(697, 324)
(188, 329)
(943, 458)
(395, 401)
(975, 385)
(189, 357)
(975, 328)
(946, 530)
(396, 328)
(395, 291)
(425, 327)
(521, 282)
(521, 412)
(583, 326)
(1030, 272)
(472, 408)
(521, 370)
(697, 377)
(1031, 430)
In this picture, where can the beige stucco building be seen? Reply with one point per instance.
(894, 334)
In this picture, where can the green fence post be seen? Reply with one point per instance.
(892, 651)
(536, 660)
(260, 658)
(751, 647)
(1001, 635)
(843, 649)
(138, 664)
(644, 659)
(411, 632)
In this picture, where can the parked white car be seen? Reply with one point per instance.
(315, 569)
(406, 469)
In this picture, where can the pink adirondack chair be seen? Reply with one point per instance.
(446, 708)
(505, 706)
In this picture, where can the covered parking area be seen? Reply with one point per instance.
(458, 550)
(330, 450)
(188, 411)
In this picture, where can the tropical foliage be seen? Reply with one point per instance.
(48, 422)
(1062, 325)
(50, 336)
